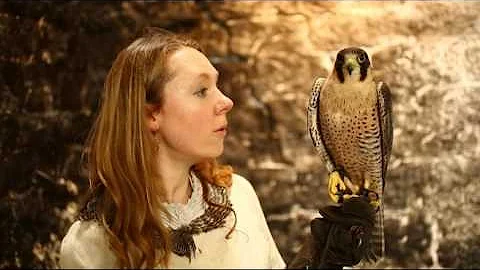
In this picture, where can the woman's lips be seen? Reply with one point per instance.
(221, 131)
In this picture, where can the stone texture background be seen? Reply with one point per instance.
(54, 57)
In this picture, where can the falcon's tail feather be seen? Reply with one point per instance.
(378, 237)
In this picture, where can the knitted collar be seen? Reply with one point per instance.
(211, 214)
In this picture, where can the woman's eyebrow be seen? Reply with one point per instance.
(206, 75)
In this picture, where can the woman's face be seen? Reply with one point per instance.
(192, 121)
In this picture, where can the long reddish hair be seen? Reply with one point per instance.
(120, 151)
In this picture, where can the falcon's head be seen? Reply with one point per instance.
(352, 61)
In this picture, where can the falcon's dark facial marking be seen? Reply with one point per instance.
(364, 62)
(362, 59)
(339, 66)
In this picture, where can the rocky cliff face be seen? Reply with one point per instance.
(268, 54)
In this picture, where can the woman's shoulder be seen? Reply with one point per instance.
(242, 185)
(242, 191)
(86, 245)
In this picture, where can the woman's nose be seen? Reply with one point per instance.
(224, 105)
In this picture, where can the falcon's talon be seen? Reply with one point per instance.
(372, 196)
(351, 186)
(336, 187)
(375, 204)
(349, 196)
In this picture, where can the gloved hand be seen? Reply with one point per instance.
(340, 238)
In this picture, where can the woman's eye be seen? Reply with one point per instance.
(202, 92)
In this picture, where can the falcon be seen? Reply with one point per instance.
(350, 124)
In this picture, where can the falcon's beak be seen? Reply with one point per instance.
(350, 69)
(351, 64)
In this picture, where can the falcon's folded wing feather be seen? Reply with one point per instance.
(314, 126)
(386, 125)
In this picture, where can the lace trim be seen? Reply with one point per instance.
(183, 214)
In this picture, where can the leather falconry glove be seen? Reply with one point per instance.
(340, 238)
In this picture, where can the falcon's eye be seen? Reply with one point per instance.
(339, 58)
(361, 58)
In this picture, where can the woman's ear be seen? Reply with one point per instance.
(153, 117)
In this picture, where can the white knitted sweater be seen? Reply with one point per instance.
(250, 246)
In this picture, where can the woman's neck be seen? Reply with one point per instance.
(175, 177)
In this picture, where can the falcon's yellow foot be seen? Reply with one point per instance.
(352, 189)
(371, 195)
(349, 196)
(336, 187)
(374, 200)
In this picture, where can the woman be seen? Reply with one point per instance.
(158, 198)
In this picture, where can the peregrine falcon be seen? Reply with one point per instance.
(350, 123)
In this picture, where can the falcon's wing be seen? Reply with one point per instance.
(386, 124)
(384, 108)
(313, 123)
